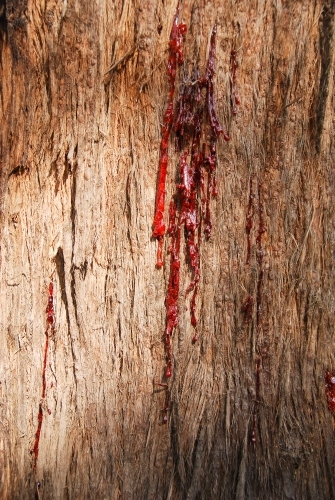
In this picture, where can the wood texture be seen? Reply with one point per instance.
(82, 96)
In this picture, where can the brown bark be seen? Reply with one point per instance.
(82, 96)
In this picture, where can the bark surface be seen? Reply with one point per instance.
(83, 89)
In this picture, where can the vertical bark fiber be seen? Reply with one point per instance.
(82, 96)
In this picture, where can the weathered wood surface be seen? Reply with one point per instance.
(79, 158)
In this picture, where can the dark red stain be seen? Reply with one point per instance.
(330, 390)
(173, 287)
(196, 129)
(50, 329)
(175, 59)
(235, 100)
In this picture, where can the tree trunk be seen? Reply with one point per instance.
(84, 88)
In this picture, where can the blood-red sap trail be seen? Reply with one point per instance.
(35, 448)
(250, 223)
(330, 390)
(211, 166)
(175, 59)
(50, 329)
(187, 191)
(196, 129)
(235, 100)
(173, 287)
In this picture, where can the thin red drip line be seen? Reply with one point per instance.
(48, 332)
(175, 59)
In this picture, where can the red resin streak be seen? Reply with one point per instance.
(235, 98)
(50, 329)
(189, 217)
(211, 187)
(175, 59)
(330, 390)
(171, 300)
(194, 119)
(250, 223)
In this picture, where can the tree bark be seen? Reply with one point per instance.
(83, 92)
